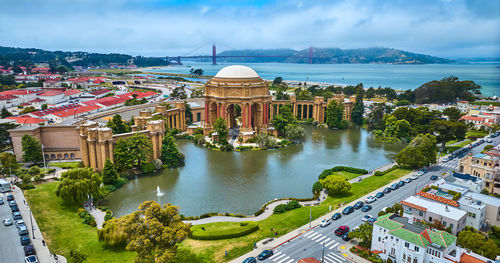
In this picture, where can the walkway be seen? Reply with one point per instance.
(97, 214)
(42, 251)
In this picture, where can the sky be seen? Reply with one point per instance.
(444, 28)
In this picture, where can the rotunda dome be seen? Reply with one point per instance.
(237, 72)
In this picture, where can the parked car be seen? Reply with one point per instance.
(1, 201)
(29, 250)
(401, 183)
(20, 222)
(434, 177)
(22, 230)
(408, 180)
(348, 210)
(341, 230)
(346, 237)
(445, 160)
(10, 197)
(387, 190)
(489, 140)
(372, 220)
(394, 186)
(414, 177)
(12, 203)
(31, 259)
(14, 208)
(336, 216)
(366, 218)
(358, 205)
(265, 254)
(370, 199)
(7, 222)
(366, 208)
(25, 240)
(325, 222)
(250, 260)
(379, 195)
(16, 215)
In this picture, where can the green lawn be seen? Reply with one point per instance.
(63, 229)
(65, 165)
(476, 134)
(213, 251)
(487, 103)
(450, 149)
(347, 175)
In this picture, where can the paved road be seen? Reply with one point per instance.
(310, 243)
(11, 249)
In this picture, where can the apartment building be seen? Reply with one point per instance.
(483, 165)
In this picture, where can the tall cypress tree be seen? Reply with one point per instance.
(109, 173)
(170, 155)
(32, 149)
(358, 110)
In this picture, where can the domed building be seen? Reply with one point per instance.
(238, 95)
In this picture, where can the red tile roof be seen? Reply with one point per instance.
(106, 101)
(421, 208)
(71, 92)
(99, 92)
(37, 100)
(472, 118)
(51, 93)
(438, 198)
(466, 258)
(75, 111)
(7, 97)
(26, 119)
(18, 92)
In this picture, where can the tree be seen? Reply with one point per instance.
(446, 90)
(179, 93)
(316, 188)
(188, 113)
(78, 184)
(32, 149)
(197, 71)
(118, 125)
(277, 80)
(359, 109)
(265, 141)
(421, 152)
(349, 90)
(474, 240)
(28, 110)
(284, 118)
(448, 130)
(109, 173)
(5, 113)
(370, 93)
(153, 232)
(336, 184)
(44, 106)
(294, 132)
(132, 151)
(5, 139)
(170, 155)
(375, 119)
(334, 114)
(221, 129)
(364, 234)
(453, 113)
(197, 93)
(8, 161)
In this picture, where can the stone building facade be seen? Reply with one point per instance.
(485, 166)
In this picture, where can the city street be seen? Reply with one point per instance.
(311, 243)
(11, 249)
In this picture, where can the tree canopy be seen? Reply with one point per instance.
(446, 90)
(220, 127)
(363, 234)
(474, 240)
(294, 132)
(32, 149)
(78, 185)
(421, 152)
(132, 151)
(109, 173)
(359, 108)
(118, 125)
(335, 184)
(153, 231)
(170, 155)
(284, 118)
(334, 114)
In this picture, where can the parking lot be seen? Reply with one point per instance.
(11, 249)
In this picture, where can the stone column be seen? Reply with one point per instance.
(92, 154)
(111, 148)
(206, 111)
(278, 109)
(249, 107)
(218, 110)
(85, 150)
(102, 146)
(307, 112)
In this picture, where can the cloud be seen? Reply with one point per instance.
(442, 28)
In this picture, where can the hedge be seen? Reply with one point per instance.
(380, 173)
(348, 169)
(286, 207)
(245, 228)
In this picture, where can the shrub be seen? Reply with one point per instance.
(378, 173)
(251, 140)
(198, 131)
(316, 188)
(77, 257)
(286, 207)
(244, 228)
(426, 189)
(435, 187)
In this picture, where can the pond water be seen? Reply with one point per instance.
(241, 182)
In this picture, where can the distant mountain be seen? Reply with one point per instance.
(26, 56)
(332, 56)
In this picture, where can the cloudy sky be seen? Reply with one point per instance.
(451, 28)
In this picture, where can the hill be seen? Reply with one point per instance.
(332, 56)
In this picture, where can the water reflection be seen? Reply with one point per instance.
(240, 182)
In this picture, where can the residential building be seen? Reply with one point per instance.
(420, 209)
(492, 206)
(472, 183)
(483, 165)
(53, 96)
(397, 239)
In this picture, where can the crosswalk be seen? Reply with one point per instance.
(330, 257)
(333, 258)
(328, 242)
(448, 165)
(279, 257)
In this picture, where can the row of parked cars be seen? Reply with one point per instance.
(17, 220)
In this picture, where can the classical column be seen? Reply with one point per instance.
(218, 110)
(102, 145)
(243, 116)
(111, 148)
(249, 116)
(295, 109)
(224, 112)
(206, 111)
(278, 109)
(85, 150)
(263, 113)
(92, 154)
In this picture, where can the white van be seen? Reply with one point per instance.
(4, 186)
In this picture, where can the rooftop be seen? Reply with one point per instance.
(236, 72)
(438, 198)
(490, 200)
(436, 208)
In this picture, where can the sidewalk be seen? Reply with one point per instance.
(42, 252)
(345, 251)
(303, 229)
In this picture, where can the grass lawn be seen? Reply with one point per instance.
(450, 149)
(346, 175)
(213, 251)
(476, 134)
(63, 228)
(487, 103)
(65, 165)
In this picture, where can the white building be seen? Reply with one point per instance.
(471, 183)
(492, 204)
(401, 241)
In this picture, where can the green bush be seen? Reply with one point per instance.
(198, 131)
(380, 173)
(242, 148)
(435, 187)
(245, 228)
(348, 169)
(426, 189)
(286, 207)
(251, 140)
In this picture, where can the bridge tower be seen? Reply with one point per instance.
(214, 55)
(310, 55)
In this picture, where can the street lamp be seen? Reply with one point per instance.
(323, 253)
(310, 217)
(43, 156)
(31, 220)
